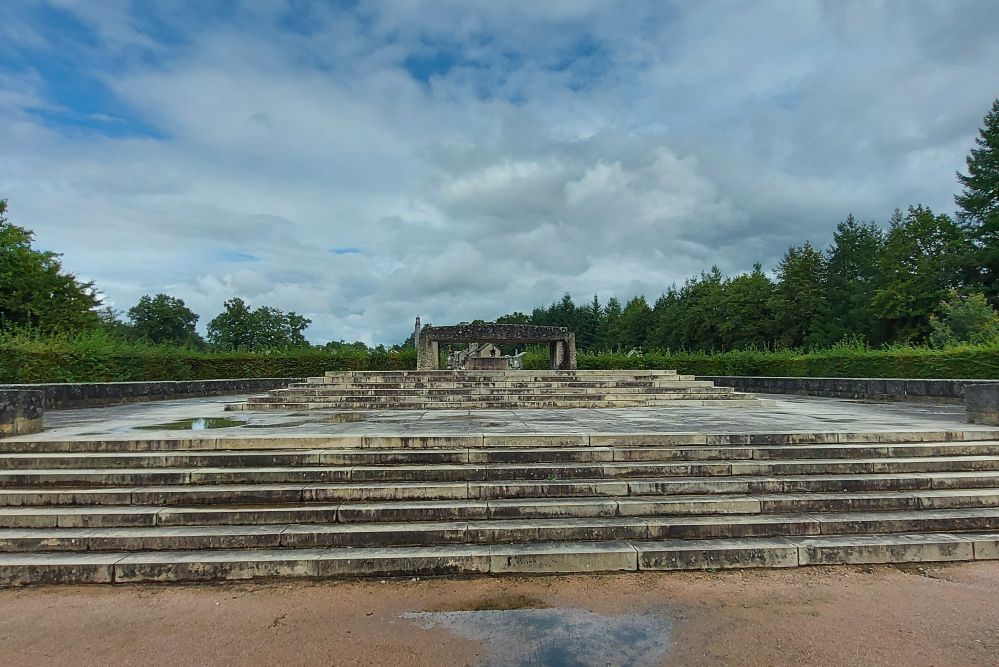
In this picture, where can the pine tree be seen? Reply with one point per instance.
(923, 260)
(851, 279)
(798, 294)
(979, 203)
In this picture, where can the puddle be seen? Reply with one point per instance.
(555, 637)
(194, 424)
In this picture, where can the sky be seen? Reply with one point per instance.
(363, 163)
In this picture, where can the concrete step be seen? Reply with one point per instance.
(514, 455)
(487, 388)
(202, 493)
(243, 442)
(468, 472)
(117, 516)
(734, 401)
(565, 557)
(356, 535)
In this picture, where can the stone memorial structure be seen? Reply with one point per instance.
(561, 342)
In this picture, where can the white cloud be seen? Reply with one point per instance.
(582, 146)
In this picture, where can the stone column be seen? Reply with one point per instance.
(427, 355)
(570, 357)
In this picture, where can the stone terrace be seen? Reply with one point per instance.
(100, 497)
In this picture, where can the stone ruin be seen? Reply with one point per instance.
(560, 341)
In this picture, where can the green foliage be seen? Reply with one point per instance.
(851, 276)
(164, 319)
(979, 203)
(845, 360)
(35, 292)
(922, 261)
(964, 319)
(240, 328)
(98, 357)
(797, 295)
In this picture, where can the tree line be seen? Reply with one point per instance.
(924, 278)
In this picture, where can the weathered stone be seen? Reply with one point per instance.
(20, 411)
(716, 554)
(564, 558)
(981, 401)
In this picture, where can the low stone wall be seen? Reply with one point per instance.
(877, 389)
(982, 404)
(20, 412)
(95, 394)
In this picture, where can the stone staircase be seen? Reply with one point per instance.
(222, 508)
(419, 390)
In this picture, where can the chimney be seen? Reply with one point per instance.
(416, 334)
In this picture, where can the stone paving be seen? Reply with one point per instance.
(787, 414)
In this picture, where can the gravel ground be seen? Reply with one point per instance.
(882, 615)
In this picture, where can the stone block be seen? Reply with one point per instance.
(981, 402)
(862, 549)
(57, 568)
(20, 412)
(563, 558)
(217, 565)
(403, 561)
(716, 554)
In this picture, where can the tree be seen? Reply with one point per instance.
(922, 261)
(964, 319)
(748, 320)
(35, 292)
(635, 323)
(609, 335)
(979, 203)
(801, 277)
(851, 279)
(239, 328)
(701, 312)
(164, 319)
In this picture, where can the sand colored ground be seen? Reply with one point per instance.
(882, 615)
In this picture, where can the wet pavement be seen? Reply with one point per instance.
(831, 616)
(786, 414)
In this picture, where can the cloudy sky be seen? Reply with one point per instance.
(365, 162)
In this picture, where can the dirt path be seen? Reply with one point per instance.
(882, 615)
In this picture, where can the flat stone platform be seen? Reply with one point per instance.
(787, 414)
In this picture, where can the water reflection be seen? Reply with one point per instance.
(557, 637)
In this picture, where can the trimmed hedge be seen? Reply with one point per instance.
(101, 360)
(915, 363)
(68, 363)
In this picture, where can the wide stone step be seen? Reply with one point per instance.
(734, 401)
(116, 516)
(53, 477)
(493, 532)
(565, 557)
(247, 443)
(198, 494)
(589, 454)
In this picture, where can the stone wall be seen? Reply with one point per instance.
(95, 394)
(877, 389)
(982, 403)
(20, 412)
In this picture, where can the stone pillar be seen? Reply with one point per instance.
(570, 356)
(552, 356)
(428, 355)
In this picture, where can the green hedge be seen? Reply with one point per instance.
(906, 362)
(102, 360)
(82, 361)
